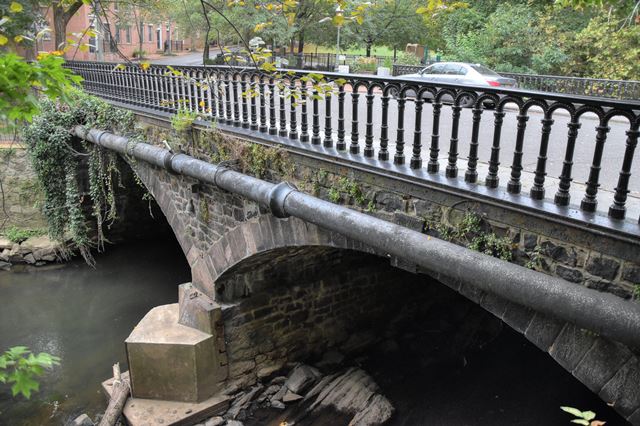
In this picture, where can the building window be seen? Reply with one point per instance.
(128, 34)
(118, 34)
(150, 32)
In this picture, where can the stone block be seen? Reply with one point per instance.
(601, 363)
(170, 361)
(571, 345)
(494, 304)
(518, 317)
(622, 391)
(408, 221)
(602, 266)
(529, 241)
(631, 273)
(197, 310)
(543, 330)
(569, 274)
(566, 255)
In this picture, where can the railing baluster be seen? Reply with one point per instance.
(315, 127)
(433, 166)
(273, 130)
(263, 106)
(398, 158)
(492, 179)
(537, 191)
(283, 111)
(514, 186)
(220, 89)
(227, 90)
(253, 90)
(211, 101)
(416, 160)
(236, 103)
(471, 175)
(589, 202)
(368, 137)
(304, 124)
(245, 102)
(293, 124)
(451, 170)
(341, 145)
(354, 148)
(562, 196)
(617, 210)
(328, 132)
(383, 154)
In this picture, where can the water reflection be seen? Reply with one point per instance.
(83, 316)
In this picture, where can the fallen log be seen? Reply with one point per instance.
(119, 394)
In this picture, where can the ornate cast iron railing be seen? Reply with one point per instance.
(617, 89)
(216, 92)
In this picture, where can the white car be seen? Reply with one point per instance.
(460, 73)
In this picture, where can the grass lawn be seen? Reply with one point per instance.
(375, 50)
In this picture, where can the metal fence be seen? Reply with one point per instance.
(216, 93)
(617, 89)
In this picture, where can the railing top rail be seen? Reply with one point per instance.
(567, 77)
(372, 81)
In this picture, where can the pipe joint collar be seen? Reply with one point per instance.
(278, 196)
(167, 162)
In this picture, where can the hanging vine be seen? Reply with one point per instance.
(58, 159)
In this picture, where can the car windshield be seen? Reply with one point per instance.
(485, 71)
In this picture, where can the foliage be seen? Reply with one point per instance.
(601, 50)
(364, 64)
(20, 81)
(636, 292)
(405, 58)
(471, 233)
(56, 162)
(19, 367)
(585, 418)
(18, 235)
(183, 120)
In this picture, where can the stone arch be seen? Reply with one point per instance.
(609, 369)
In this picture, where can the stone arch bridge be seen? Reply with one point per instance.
(279, 275)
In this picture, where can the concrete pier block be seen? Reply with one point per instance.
(170, 361)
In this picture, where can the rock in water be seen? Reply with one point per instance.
(301, 378)
(82, 420)
(355, 392)
(291, 397)
(377, 411)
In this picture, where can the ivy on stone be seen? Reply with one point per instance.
(58, 159)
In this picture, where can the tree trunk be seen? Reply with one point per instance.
(61, 17)
(368, 52)
(301, 42)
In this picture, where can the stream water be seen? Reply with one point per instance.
(83, 316)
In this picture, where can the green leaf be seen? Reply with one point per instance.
(580, 422)
(588, 415)
(23, 384)
(573, 411)
(15, 7)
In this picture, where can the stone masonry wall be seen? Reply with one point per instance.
(219, 231)
(22, 195)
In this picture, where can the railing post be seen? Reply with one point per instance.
(293, 119)
(537, 191)
(589, 202)
(471, 175)
(272, 107)
(245, 106)
(433, 166)
(283, 112)
(263, 106)
(492, 179)
(416, 160)
(452, 165)
(398, 158)
(341, 145)
(383, 154)
(328, 138)
(368, 138)
(618, 209)
(514, 185)
(562, 196)
(315, 126)
(354, 148)
(304, 127)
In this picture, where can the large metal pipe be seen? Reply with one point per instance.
(603, 313)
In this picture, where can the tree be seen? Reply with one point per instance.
(392, 22)
(63, 11)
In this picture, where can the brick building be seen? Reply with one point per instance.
(122, 33)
